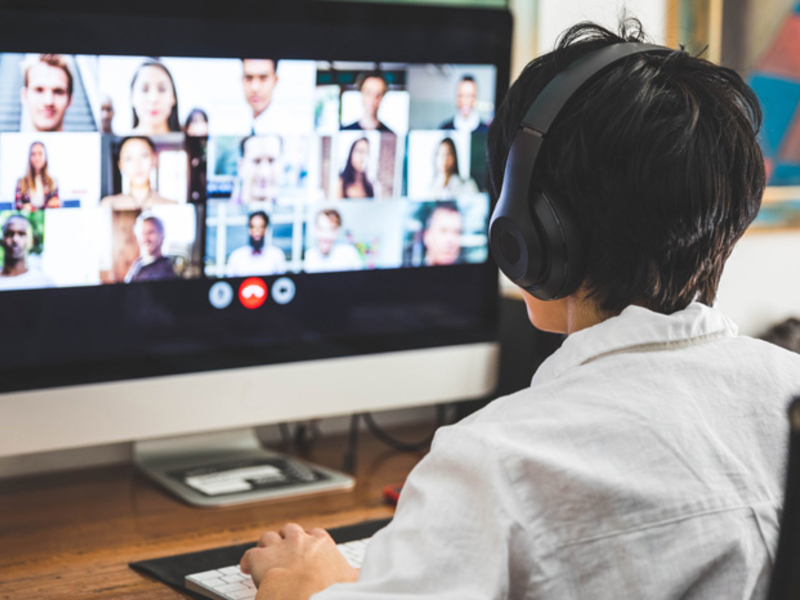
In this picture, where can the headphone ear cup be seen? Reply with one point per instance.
(562, 247)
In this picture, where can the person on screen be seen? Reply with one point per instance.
(647, 458)
(47, 92)
(106, 115)
(154, 100)
(17, 242)
(196, 123)
(373, 88)
(260, 169)
(258, 257)
(137, 159)
(151, 264)
(37, 189)
(259, 78)
(466, 118)
(447, 182)
(328, 254)
(353, 180)
(441, 236)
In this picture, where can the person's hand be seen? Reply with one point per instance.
(295, 564)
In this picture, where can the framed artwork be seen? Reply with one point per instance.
(775, 78)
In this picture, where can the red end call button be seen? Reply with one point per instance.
(252, 292)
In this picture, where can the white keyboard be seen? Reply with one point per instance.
(229, 583)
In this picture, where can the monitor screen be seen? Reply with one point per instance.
(210, 197)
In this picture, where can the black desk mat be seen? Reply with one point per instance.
(172, 570)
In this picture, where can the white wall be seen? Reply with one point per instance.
(538, 23)
(557, 15)
(761, 282)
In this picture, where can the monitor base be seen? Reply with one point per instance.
(230, 467)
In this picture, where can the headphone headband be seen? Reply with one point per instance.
(548, 104)
(535, 239)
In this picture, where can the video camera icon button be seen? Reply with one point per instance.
(220, 295)
(252, 292)
(283, 290)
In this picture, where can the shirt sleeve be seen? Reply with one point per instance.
(456, 533)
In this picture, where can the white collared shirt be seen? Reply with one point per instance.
(469, 123)
(645, 461)
(246, 261)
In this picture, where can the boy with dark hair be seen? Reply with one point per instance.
(646, 459)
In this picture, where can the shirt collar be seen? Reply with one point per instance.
(636, 329)
(469, 123)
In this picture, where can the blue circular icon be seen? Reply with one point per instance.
(283, 290)
(220, 295)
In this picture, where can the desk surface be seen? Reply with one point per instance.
(72, 535)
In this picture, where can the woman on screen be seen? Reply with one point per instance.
(154, 100)
(37, 189)
(196, 123)
(448, 183)
(137, 159)
(353, 181)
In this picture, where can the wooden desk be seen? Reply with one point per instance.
(72, 535)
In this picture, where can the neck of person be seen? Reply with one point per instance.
(140, 192)
(258, 113)
(156, 129)
(12, 268)
(149, 259)
(369, 121)
(565, 315)
(247, 197)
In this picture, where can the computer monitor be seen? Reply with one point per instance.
(221, 216)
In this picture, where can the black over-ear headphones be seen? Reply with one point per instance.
(534, 236)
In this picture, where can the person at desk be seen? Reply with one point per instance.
(466, 117)
(442, 235)
(151, 264)
(260, 169)
(17, 272)
(353, 180)
(154, 100)
(37, 189)
(47, 92)
(329, 254)
(373, 88)
(137, 159)
(447, 181)
(646, 460)
(258, 257)
(259, 79)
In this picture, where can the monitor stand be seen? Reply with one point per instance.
(230, 467)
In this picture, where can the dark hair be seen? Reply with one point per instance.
(263, 135)
(445, 205)
(156, 221)
(362, 77)
(468, 78)
(52, 60)
(274, 61)
(172, 121)
(142, 138)
(452, 147)
(659, 160)
(194, 115)
(332, 215)
(785, 334)
(349, 173)
(28, 227)
(258, 213)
